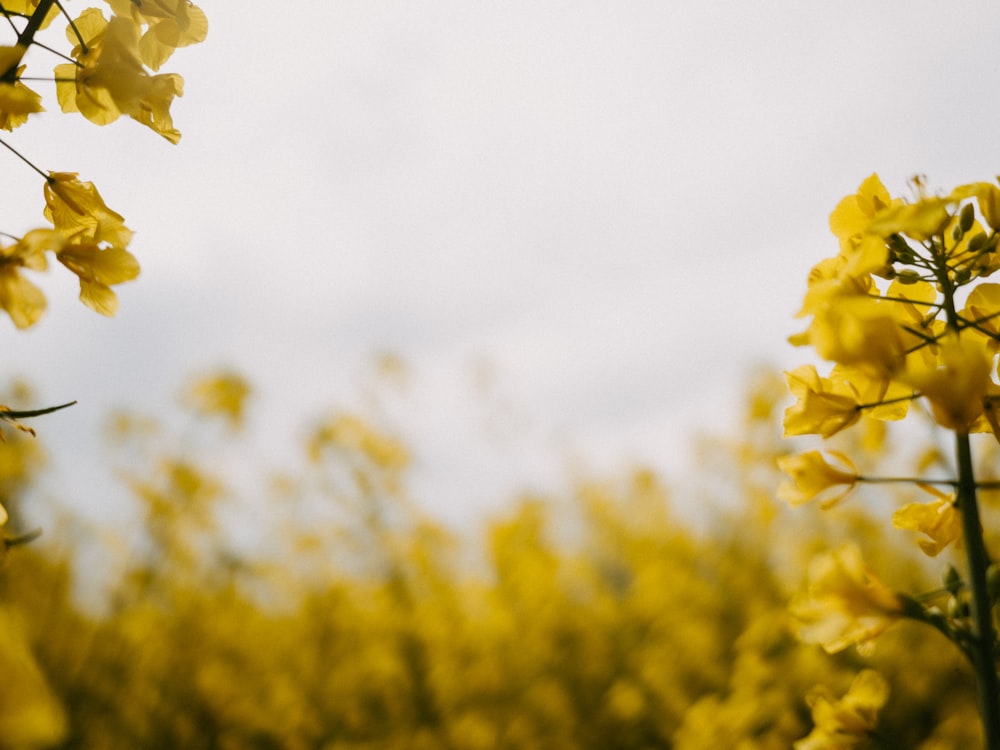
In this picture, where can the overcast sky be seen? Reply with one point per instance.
(578, 223)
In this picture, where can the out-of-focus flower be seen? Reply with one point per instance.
(108, 80)
(77, 210)
(170, 24)
(17, 101)
(811, 476)
(223, 394)
(845, 723)
(939, 520)
(956, 382)
(845, 603)
(20, 298)
(824, 406)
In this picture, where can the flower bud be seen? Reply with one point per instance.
(977, 242)
(907, 276)
(900, 249)
(967, 217)
(952, 579)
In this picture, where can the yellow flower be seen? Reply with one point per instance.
(983, 309)
(830, 282)
(17, 101)
(98, 268)
(223, 394)
(170, 24)
(922, 220)
(956, 382)
(853, 214)
(824, 407)
(27, 8)
(813, 476)
(351, 434)
(859, 331)
(938, 520)
(77, 210)
(845, 603)
(861, 254)
(850, 721)
(21, 299)
(109, 79)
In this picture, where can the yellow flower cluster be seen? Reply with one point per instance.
(907, 338)
(906, 316)
(886, 311)
(106, 78)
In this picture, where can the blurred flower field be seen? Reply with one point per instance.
(594, 620)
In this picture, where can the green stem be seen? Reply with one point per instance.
(905, 480)
(982, 649)
(982, 641)
(27, 35)
(25, 159)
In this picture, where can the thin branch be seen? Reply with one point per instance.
(24, 414)
(23, 158)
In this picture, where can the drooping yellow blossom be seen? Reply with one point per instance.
(20, 298)
(95, 239)
(811, 476)
(17, 101)
(98, 269)
(77, 210)
(845, 723)
(845, 603)
(982, 309)
(109, 79)
(939, 520)
(956, 382)
(824, 407)
(223, 394)
(170, 24)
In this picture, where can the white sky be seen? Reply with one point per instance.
(609, 207)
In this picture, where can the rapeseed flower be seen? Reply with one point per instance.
(813, 476)
(844, 723)
(845, 604)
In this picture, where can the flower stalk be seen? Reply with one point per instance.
(886, 311)
(982, 644)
